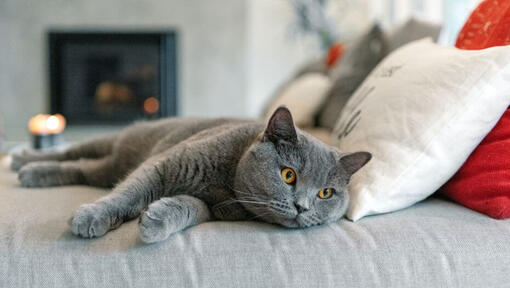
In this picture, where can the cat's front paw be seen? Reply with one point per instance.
(152, 228)
(157, 223)
(90, 221)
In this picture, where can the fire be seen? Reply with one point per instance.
(42, 124)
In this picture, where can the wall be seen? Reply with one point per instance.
(452, 14)
(233, 54)
(275, 50)
(211, 50)
(272, 52)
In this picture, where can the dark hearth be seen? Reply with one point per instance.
(112, 77)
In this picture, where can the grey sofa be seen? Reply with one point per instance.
(435, 243)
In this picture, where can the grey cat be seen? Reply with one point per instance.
(180, 172)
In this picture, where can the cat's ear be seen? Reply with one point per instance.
(280, 127)
(354, 161)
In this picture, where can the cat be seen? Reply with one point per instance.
(178, 172)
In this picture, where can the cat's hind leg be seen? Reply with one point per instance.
(93, 149)
(93, 172)
(171, 214)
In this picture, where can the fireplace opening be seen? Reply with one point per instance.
(112, 77)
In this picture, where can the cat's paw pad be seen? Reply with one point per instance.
(39, 174)
(90, 221)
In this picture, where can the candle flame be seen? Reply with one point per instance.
(52, 123)
(46, 124)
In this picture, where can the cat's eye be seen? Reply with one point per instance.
(325, 193)
(288, 175)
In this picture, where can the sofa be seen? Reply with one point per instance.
(435, 243)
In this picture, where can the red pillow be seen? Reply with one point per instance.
(483, 181)
(334, 54)
(487, 26)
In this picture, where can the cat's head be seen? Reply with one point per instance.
(290, 178)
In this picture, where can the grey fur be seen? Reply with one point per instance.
(171, 214)
(195, 170)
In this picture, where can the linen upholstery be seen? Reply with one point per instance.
(432, 244)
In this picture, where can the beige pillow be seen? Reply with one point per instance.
(303, 96)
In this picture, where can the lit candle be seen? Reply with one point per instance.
(47, 124)
(45, 129)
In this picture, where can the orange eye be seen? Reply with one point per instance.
(288, 175)
(325, 193)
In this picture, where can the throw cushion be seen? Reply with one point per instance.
(334, 54)
(359, 58)
(487, 26)
(483, 182)
(303, 97)
(314, 66)
(412, 30)
(420, 117)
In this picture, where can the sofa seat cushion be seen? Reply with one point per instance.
(432, 244)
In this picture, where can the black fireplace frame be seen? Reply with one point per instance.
(168, 65)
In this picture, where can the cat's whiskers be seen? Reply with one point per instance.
(252, 200)
(245, 193)
(259, 216)
(251, 197)
(224, 203)
(241, 192)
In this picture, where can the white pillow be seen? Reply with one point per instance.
(304, 97)
(421, 112)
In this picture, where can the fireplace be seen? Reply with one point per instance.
(112, 77)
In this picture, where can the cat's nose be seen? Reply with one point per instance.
(301, 207)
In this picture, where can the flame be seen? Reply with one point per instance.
(47, 124)
(52, 123)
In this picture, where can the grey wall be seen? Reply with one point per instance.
(211, 50)
(233, 54)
